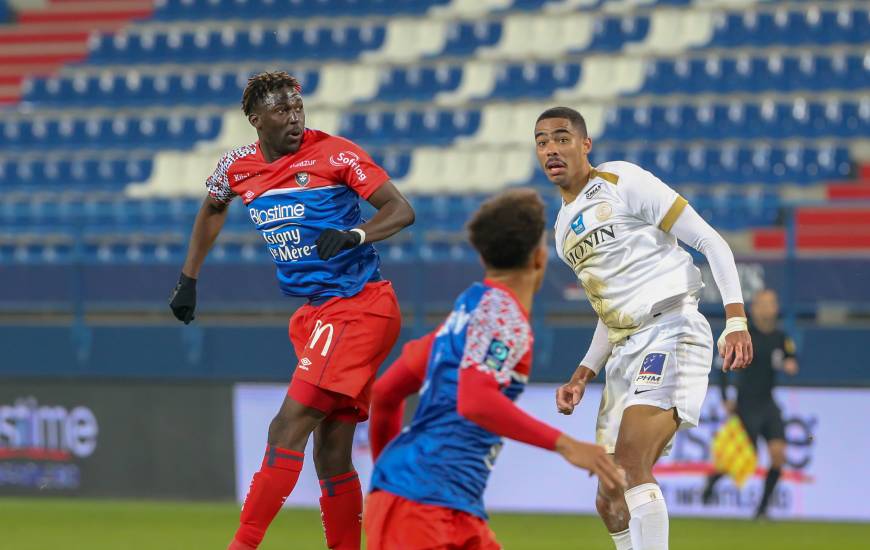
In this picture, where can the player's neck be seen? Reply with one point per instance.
(270, 154)
(571, 191)
(521, 283)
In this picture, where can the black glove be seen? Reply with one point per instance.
(183, 299)
(333, 241)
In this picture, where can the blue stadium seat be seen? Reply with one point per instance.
(464, 38)
(534, 80)
(418, 83)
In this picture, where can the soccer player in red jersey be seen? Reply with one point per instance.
(428, 481)
(301, 188)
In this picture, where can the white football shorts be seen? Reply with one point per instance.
(664, 364)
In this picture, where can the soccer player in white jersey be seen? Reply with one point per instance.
(617, 229)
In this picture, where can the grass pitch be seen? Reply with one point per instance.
(79, 524)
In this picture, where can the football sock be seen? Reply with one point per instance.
(622, 540)
(769, 485)
(269, 489)
(341, 508)
(649, 517)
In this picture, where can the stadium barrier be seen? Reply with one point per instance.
(825, 453)
(116, 439)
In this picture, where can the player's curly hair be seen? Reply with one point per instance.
(264, 83)
(508, 227)
(573, 116)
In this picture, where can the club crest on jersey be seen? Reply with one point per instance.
(496, 355)
(302, 179)
(652, 370)
(603, 212)
(577, 225)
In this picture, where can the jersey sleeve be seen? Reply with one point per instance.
(218, 184)
(648, 197)
(498, 337)
(416, 354)
(356, 168)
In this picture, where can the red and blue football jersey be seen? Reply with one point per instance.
(442, 458)
(293, 199)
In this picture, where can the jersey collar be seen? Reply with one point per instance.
(501, 286)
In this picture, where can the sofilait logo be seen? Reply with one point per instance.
(40, 443)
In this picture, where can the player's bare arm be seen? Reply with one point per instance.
(568, 395)
(206, 227)
(394, 213)
(735, 347)
(208, 224)
(593, 458)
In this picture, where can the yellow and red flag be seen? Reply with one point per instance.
(733, 452)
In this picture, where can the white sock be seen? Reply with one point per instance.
(622, 540)
(649, 517)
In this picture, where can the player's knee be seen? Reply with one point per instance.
(288, 434)
(637, 469)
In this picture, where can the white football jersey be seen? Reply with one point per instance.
(615, 236)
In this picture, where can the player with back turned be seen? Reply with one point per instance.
(617, 230)
(759, 413)
(428, 482)
(301, 188)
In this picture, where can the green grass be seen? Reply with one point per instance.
(78, 524)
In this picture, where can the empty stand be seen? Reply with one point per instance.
(745, 107)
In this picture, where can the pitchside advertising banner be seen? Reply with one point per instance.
(825, 428)
(131, 439)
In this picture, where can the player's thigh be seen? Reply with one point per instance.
(643, 434)
(293, 424)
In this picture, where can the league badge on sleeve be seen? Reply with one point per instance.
(577, 225)
(496, 355)
(651, 370)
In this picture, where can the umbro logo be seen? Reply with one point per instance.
(304, 363)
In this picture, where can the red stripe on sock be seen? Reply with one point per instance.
(285, 459)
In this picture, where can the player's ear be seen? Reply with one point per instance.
(254, 120)
(587, 145)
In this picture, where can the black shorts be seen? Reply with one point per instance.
(764, 421)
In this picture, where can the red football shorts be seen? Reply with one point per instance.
(340, 345)
(395, 523)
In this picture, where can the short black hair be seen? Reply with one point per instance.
(263, 84)
(508, 227)
(572, 115)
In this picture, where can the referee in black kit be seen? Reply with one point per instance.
(774, 351)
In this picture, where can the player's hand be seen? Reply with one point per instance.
(790, 366)
(730, 406)
(333, 241)
(593, 458)
(736, 350)
(569, 395)
(182, 301)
